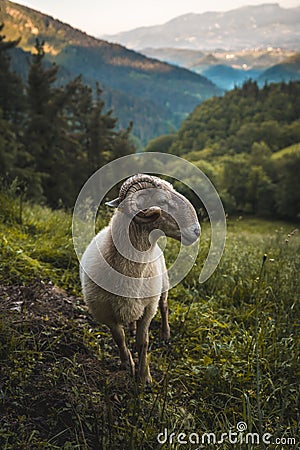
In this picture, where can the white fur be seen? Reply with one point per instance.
(117, 311)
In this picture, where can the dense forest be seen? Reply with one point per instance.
(248, 143)
(52, 138)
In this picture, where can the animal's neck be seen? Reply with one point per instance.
(131, 250)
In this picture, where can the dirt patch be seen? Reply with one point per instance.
(55, 363)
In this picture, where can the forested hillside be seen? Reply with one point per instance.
(52, 139)
(154, 95)
(287, 70)
(239, 141)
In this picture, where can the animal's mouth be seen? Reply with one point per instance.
(188, 240)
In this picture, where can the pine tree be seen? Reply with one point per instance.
(11, 88)
(44, 126)
(101, 133)
(11, 110)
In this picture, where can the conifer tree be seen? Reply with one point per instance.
(11, 110)
(44, 126)
(11, 88)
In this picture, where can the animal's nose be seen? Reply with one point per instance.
(197, 230)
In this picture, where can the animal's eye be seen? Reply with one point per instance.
(164, 203)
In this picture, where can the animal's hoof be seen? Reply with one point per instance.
(165, 336)
(148, 386)
(129, 367)
(144, 379)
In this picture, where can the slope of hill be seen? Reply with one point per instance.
(155, 95)
(247, 27)
(61, 384)
(234, 139)
(243, 116)
(286, 71)
(227, 77)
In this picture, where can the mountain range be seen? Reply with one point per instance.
(259, 42)
(155, 95)
(246, 27)
(228, 69)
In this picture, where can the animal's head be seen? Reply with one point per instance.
(154, 204)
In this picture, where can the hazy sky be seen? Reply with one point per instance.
(98, 17)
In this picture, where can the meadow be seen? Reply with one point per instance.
(233, 356)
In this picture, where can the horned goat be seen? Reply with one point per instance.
(147, 206)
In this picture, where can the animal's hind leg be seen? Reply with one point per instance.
(164, 311)
(132, 328)
(118, 334)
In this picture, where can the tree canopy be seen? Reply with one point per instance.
(53, 137)
(240, 137)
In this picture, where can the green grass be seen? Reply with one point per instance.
(233, 354)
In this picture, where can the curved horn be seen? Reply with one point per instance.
(137, 182)
(148, 215)
(133, 185)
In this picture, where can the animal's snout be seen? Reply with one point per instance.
(197, 230)
(190, 234)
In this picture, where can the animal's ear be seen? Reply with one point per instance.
(148, 215)
(113, 203)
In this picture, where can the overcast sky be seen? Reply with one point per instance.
(98, 17)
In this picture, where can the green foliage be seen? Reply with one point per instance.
(242, 117)
(53, 138)
(247, 144)
(11, 94)
(287, 168)
(161, 144)
(232, 355)
(37, 242)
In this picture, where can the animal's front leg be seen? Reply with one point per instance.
(118, 334)
(142, 342)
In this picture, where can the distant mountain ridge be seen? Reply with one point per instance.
(286, 71)
(154, 95)
(246, 27)
(228, 69)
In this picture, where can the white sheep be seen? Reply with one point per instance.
(123, 282)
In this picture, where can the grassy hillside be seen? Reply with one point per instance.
(138, 88)
(232, 355)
